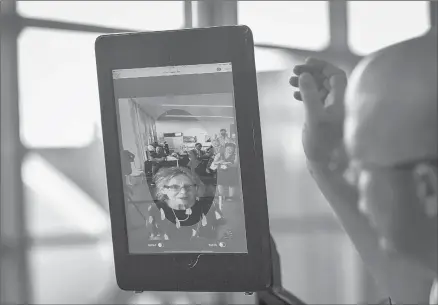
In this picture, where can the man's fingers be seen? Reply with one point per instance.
(308, 86)
(310, 93)
(315, 72)
(300, 69)
(323, 94)
(330, 70)
(293, 81)
(297, 96)
(319, 82)
(325, 68)
(315, 62)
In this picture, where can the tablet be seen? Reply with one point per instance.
(184, 163)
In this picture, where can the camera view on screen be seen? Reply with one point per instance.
(180, 159)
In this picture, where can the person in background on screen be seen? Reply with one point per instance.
(150, 148)
(375, 159)
(196, 157)
(221, 140)
(158, 159)
(182, 156)
(226, 163)
(127, 158)
(216, 145)
(166, 148)
(148, 163)
(210, 153)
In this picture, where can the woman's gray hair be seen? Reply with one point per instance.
(163, 176)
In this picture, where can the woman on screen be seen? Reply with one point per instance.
(158, 159)
(179, 213)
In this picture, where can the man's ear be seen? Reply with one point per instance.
(426, 187)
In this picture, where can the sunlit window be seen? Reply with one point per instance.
(376, 24)
(59, 100)
(136, 15)
(296, 24)
(272, 60)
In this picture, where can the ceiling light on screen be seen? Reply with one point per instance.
(199, 116)
(209, 106)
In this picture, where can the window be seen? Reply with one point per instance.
(59, 100)
(296, 24)
(376, 24)
(272, 60)
(136, 15)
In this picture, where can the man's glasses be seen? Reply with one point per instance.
(352, 173)
(178, 188)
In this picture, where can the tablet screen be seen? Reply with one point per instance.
(180, 159)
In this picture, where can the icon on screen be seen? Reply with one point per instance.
(160, 245)
(222, 244)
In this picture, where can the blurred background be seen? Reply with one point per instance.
(55, 231)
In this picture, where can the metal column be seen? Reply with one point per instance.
(217, 13)
(14, 285)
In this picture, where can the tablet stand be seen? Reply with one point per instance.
(278, 296)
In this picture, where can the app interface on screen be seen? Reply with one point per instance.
(180, 159)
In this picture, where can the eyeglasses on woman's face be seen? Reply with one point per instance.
(175, 188)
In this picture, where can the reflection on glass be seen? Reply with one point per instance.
(59, 101)
(178, 125)
(296, 24)
(135, 15)
(376, 24)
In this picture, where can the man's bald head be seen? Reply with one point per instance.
(391, 104)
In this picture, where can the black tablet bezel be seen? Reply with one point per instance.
(189, 272)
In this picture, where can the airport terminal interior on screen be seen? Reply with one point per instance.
(177, 129)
